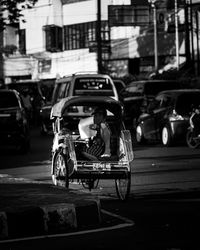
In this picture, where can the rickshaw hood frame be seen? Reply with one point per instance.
(116, 107)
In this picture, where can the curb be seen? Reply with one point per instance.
(52, 219)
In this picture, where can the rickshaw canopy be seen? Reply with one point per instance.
(115, 107)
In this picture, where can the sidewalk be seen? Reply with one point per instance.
(32, 209)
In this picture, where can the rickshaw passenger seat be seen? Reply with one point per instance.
(114, 143)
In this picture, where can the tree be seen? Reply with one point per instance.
(10, 11)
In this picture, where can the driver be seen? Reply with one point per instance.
(100, 145)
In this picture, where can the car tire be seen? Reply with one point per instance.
(166, 136)
(139, 135)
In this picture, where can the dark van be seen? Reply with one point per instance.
(40, 92)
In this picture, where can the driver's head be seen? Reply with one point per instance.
(99, 115)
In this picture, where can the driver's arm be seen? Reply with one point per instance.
(105, 133)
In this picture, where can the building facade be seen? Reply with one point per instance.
(60, 37)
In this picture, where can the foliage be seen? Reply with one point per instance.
(13, 10)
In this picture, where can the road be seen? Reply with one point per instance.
(163, 207)
(155, 168)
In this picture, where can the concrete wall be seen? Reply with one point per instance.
(36, 18)
(79, 12)
(68, 62)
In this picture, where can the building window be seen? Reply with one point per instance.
(105, 31)
(22, 41)
(128, 15)
(80, 36)
(53, 38)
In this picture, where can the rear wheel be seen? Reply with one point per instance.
(166, 136)
(123, 187)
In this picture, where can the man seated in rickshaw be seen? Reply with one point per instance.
(99, 132)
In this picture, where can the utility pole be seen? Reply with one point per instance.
(98, 37)
(1, 60)
(155, 36)
(153, 5)
(191, 33)
(1, 53)
(187, 35)
(197, 37)
(176, 34)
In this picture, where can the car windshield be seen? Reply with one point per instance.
(132, 91)
(93, 86)
(148, 88)
(8, 100)
(186, 101)
(34, 89)
(153, 88)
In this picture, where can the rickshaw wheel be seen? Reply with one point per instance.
(60, 175)
(123, 187)
(90, 184)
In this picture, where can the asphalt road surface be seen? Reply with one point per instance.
(155, 168)
(161, 213)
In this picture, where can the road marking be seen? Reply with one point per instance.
(127, 223)
(126, 220)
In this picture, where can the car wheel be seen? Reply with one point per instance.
(166, 136)
(139, 135)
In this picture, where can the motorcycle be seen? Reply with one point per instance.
(192, 136)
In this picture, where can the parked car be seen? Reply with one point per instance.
(167, 116)
(78, 84)
(137, 94)
(14, 127)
